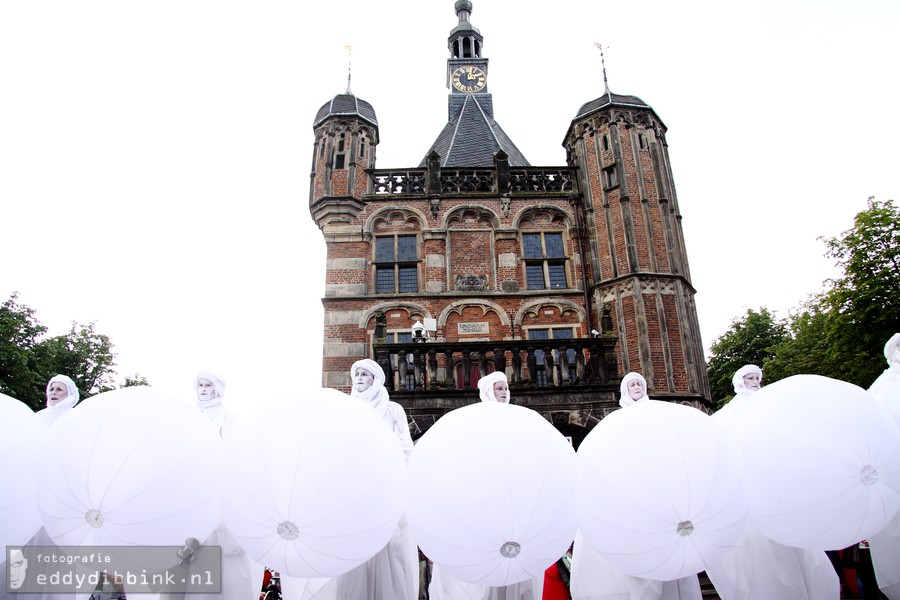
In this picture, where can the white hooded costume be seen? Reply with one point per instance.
(885, 546)
(757, 567)
(595, 578)
(212, 408)
(486, 386)
(444, 586)
(237, 576)
(50, 414)
(393, 573)
(625, 398)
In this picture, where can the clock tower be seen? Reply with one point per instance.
(466, 69)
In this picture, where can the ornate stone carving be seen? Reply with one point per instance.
(472, 283)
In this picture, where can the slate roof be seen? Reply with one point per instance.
(608, 99)
(346, 105)
(472, 136)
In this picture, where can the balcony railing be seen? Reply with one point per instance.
(444, 366)
(468, 181)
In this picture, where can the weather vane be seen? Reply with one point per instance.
(349, 57)
(603, 63)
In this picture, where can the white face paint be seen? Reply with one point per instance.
(206, 390)
(635, 389)
(362, 380)
(57, 393)
(501, 391)
(751, 381)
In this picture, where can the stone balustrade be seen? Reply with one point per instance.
(434, 366)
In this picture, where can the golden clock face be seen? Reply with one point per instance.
(469, 79)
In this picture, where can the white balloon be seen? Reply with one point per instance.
(664, 490)
(493, 494)
(823, 460)
(312, 486)
(129, 467)
(21, 435)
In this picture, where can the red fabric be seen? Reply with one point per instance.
(554, 588)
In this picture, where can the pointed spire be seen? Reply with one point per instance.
(603, 63)
(349, 55)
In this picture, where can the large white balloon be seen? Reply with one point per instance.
(129, 467)
(21, 435)
(493, 494)
(823, 460)
(312, 486)
(664, 490)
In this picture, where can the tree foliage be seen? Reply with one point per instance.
(19, 333)
(841, 331)
(84, 355)
(749, 340)
(28, 362)
(136, 381)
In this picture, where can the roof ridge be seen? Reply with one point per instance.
(491, 127)
(459, 118)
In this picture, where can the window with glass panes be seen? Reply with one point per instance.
(396, 264)
(554, 333)
(545, 260)
(339, 157)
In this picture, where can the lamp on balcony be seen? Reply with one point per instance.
(419, 334)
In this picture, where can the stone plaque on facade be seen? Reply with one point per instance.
(472, 283)
(472, 328)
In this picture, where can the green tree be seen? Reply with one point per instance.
(749, 340)
(806, 350)
(19, 333)
(841, 332)
(83, 354)
(137, 380)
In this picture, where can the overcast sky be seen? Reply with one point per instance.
(155, 156)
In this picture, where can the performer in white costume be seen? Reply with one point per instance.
(885, 546)
(493, 387)
(237, 576)
(61, 396)
(594, 578)
(757, 567)
(393, 573)
(632, 390)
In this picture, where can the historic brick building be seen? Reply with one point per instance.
(567, 277)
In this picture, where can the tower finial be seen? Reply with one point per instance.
(463, 10)
(603, 63)
(349, 56)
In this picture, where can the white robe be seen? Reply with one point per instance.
(444, 586)
(393, 573)
(595, 578)
(757, 567)
(885, 546)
